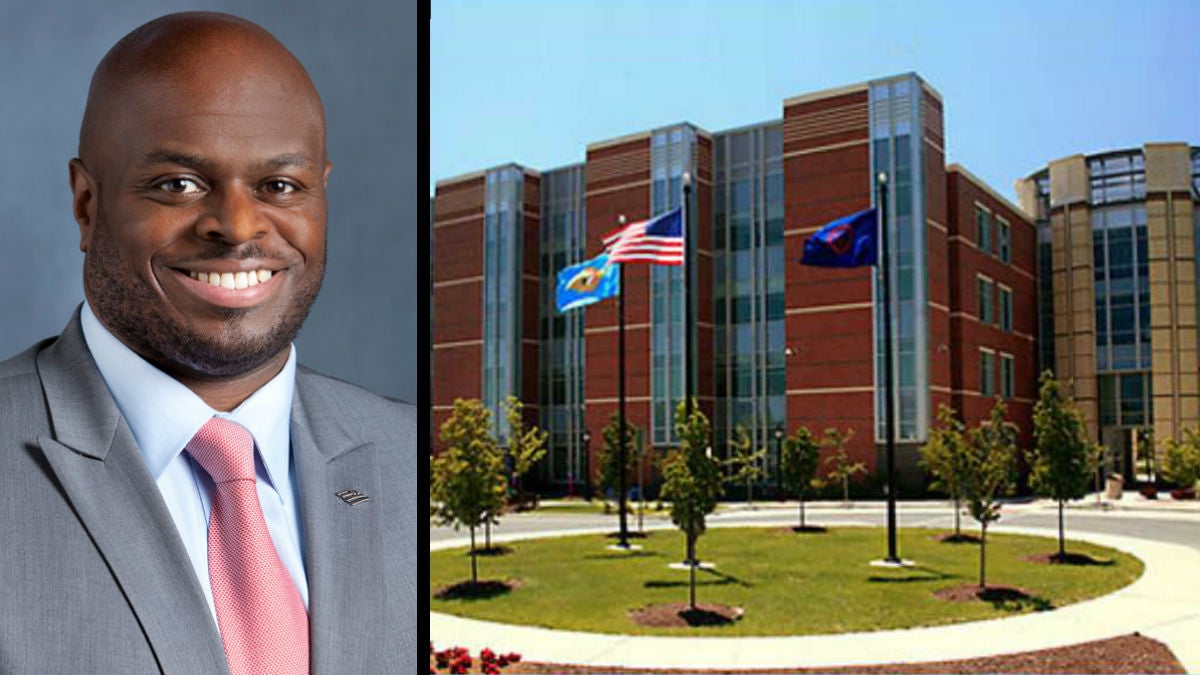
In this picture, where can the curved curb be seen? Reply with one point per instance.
(1164, 601)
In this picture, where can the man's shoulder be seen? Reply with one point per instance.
(354, 405)
(19, 376)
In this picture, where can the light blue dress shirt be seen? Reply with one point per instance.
(164, 415)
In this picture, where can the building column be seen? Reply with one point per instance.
(1074, 296)
(1170, 223)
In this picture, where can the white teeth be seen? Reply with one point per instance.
(232, 280)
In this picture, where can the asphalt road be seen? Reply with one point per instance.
(1172, 527)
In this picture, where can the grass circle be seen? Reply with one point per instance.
(787, 583)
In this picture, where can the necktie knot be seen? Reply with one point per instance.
(225, 449)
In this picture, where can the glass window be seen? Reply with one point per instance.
(1002, 244)
(1006, 317)
(983, 229)
(984, 287)
(987, 373)
(1006, 375)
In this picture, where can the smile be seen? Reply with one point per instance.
(232, 280)
(230, 290)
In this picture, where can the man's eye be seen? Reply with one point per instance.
(279, 187)
(180, 186)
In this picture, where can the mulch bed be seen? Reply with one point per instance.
(1117, 656)
(493, 551)
(956, 538)
(1069, 559)
(628, 535)
(680, 615)
(992, 593)
(488, 588)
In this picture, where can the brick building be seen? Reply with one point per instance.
(775, 344)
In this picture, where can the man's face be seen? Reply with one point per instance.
(207, 243)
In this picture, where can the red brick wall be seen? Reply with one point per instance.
(457, 296)
(827, 174)
(967, 261)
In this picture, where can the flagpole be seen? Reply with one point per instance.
(889, 415)
(624, 534)
(687, 291)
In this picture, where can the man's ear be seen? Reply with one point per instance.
(84, 200)
(325, 178)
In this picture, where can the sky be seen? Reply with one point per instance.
(1023, 82)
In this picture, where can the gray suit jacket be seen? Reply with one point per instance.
(94, 577)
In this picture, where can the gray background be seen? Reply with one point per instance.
(361, 54)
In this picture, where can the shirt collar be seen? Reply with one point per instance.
(164, 415)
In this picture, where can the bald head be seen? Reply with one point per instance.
(202, 151)
(206, 55)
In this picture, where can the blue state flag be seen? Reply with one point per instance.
(846, 242)
(589, 281)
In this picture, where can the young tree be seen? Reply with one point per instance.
(745, 463)
(468, 479)
(609, 459)
(1063, 458)
(944, 457)
(526, 446)
(692, 482)
(991, 458)
(841, 469)
(1181, 460)
(798, 466)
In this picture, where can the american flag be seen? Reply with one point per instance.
(658, 240)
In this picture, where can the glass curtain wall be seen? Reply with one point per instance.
(748, 273)
(1121, 275)
(562, 351)
(1045, 281)
(672, 152)
(501, 300)
(896, 149)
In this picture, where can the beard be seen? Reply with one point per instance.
(136, 313)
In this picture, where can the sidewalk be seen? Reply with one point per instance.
(1163, 604)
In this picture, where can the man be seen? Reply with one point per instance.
(176, 494)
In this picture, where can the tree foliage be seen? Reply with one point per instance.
(798, 465)
(609, 458)
(840, 468)
(1181, 459)
(691, 481)
(468, 476)
(1064, 460)
(944, 458)
(744, 462)
(991, 460)
(526, 446)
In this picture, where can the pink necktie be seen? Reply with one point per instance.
(260, 614)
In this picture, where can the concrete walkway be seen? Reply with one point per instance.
(1163, 604)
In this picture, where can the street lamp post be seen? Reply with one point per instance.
(778, 456)
(587, 463)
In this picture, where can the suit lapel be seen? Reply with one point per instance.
(342, 542)
(97, 462)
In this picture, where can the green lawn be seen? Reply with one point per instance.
(788, 584)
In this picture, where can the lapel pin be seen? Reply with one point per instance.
(352, 497)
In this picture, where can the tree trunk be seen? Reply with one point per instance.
(983, 557)
(692, 573)
(846, 489)
(802, 511)
(957, 508)
(474, 570)
(1062, 544)
(750, 494)
(691, 550)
